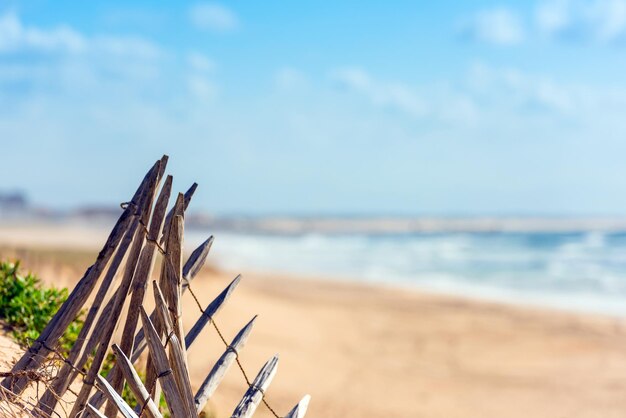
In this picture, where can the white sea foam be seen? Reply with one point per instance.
(580, 271)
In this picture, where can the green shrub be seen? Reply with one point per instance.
(27, 306)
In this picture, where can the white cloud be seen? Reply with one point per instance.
(288, 78)
(15, 36)
(487, 96)
(199, 62)
(553, 16)
(201, 87)
(100, 71)
(129, 46)
(393, 95)
(588, 21)
(437, 103)
(496, 26)
(512, 89)
(213, 16)
(602, 21)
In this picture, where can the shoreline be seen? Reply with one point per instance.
(330, 283)
(81, 241)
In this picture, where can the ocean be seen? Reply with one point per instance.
(580, 271)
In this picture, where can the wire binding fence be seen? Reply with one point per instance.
(123, 270)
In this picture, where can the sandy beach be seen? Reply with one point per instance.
(373, 352)
(368, 351)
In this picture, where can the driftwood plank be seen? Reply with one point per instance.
(140, 392)
(217, 373)
(255, 393)
(299, 410)
(162, 368)
(36, 354)
(210, 311)
(114, 397)
(145, 266)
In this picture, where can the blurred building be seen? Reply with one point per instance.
(13, 204)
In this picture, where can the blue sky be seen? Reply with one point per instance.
(320, 107)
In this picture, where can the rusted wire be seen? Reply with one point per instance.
(228, 347)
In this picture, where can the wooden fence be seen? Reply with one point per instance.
(123, 269)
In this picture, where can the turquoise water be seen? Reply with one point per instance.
(584, 271)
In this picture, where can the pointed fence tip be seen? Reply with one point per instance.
(231, 286)
(271, 364)
(300, 409)
(243, 334)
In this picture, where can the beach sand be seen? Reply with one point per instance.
(367, 351)
(372, 352)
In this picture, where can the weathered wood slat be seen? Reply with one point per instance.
(145, 266)
(175, 263)
(36, 354)
(181, 374)
(67, 373)
(177, 358)
(177, 209)
(210, 311)
(162, 316)
(172, 262)
(299, 410)
(140, 392)
(217, 373)
(186, 200)
(255, 393)
(140, 343)
(94, 412)
(196, 261)
(162, 368)
(111, 322)
(192, 266)
(115, 398)
(98, 331)
(161, 309)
